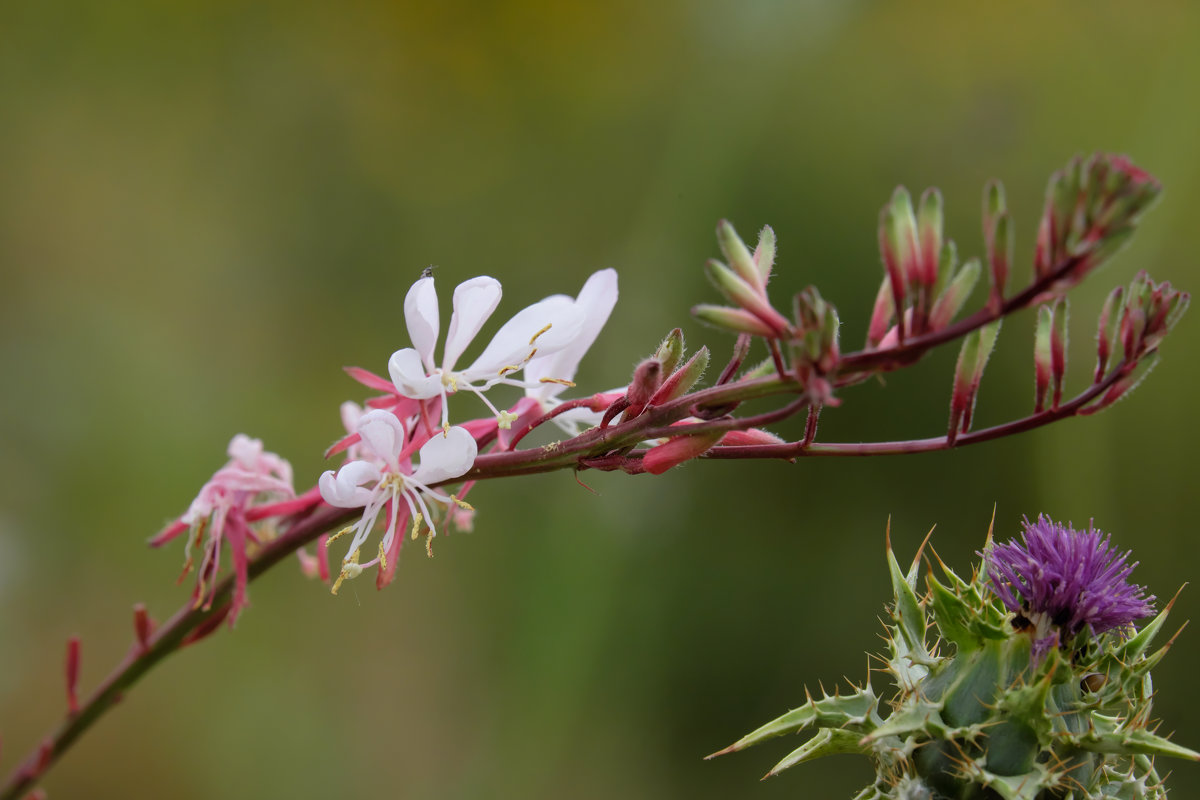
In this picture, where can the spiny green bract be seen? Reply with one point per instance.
(975, 717)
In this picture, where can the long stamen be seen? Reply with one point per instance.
(428, 515)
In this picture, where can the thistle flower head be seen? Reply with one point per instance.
(1063, 580)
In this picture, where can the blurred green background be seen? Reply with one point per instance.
(207, 209)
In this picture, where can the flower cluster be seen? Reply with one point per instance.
(404, 447)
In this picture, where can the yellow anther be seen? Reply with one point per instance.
(416, 526)
(505, 419)
(539, 333)
(559, 381)
(510, 368)
(445, 430)
(429, 545)
(338, 535)
(382, 557)
(463, 504)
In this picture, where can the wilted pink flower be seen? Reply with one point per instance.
(224, 508)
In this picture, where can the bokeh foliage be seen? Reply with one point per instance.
(208, 208)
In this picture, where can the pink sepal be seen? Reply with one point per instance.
(371, 380)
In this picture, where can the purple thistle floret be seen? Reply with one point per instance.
(1071, 580)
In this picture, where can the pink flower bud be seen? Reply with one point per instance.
(882, 314)
(72, 671)
(647, 377)
(1109, 317)
(1058, 350)
(143, 627)
(753, 436)
(1042, 358)
(733, 319)
(675, 451)
(972, 359)
(929, 229)
(683, 379)
(999, 247)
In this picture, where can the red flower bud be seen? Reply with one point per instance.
(675, 451)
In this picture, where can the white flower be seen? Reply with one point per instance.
(547, 375)
(387, 476)
(554, 325)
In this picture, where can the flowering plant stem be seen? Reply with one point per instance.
(190, 623)
(660, 420)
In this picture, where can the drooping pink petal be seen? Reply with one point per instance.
(446, 456)
(285, 508)
(343, 444)
(387, 567)
(593, 306)
(369, 379)
(409, 375)
(474, 302)
(344, 488)
(237, 533)
(168, 533)
(421, 317)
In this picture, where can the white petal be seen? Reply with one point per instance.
(474, 302)
(408, 375)
(344, 489)
(511, 344)
(352, 412)
(383, 434)
(593, 307)
(446, 456)
(421, 316)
